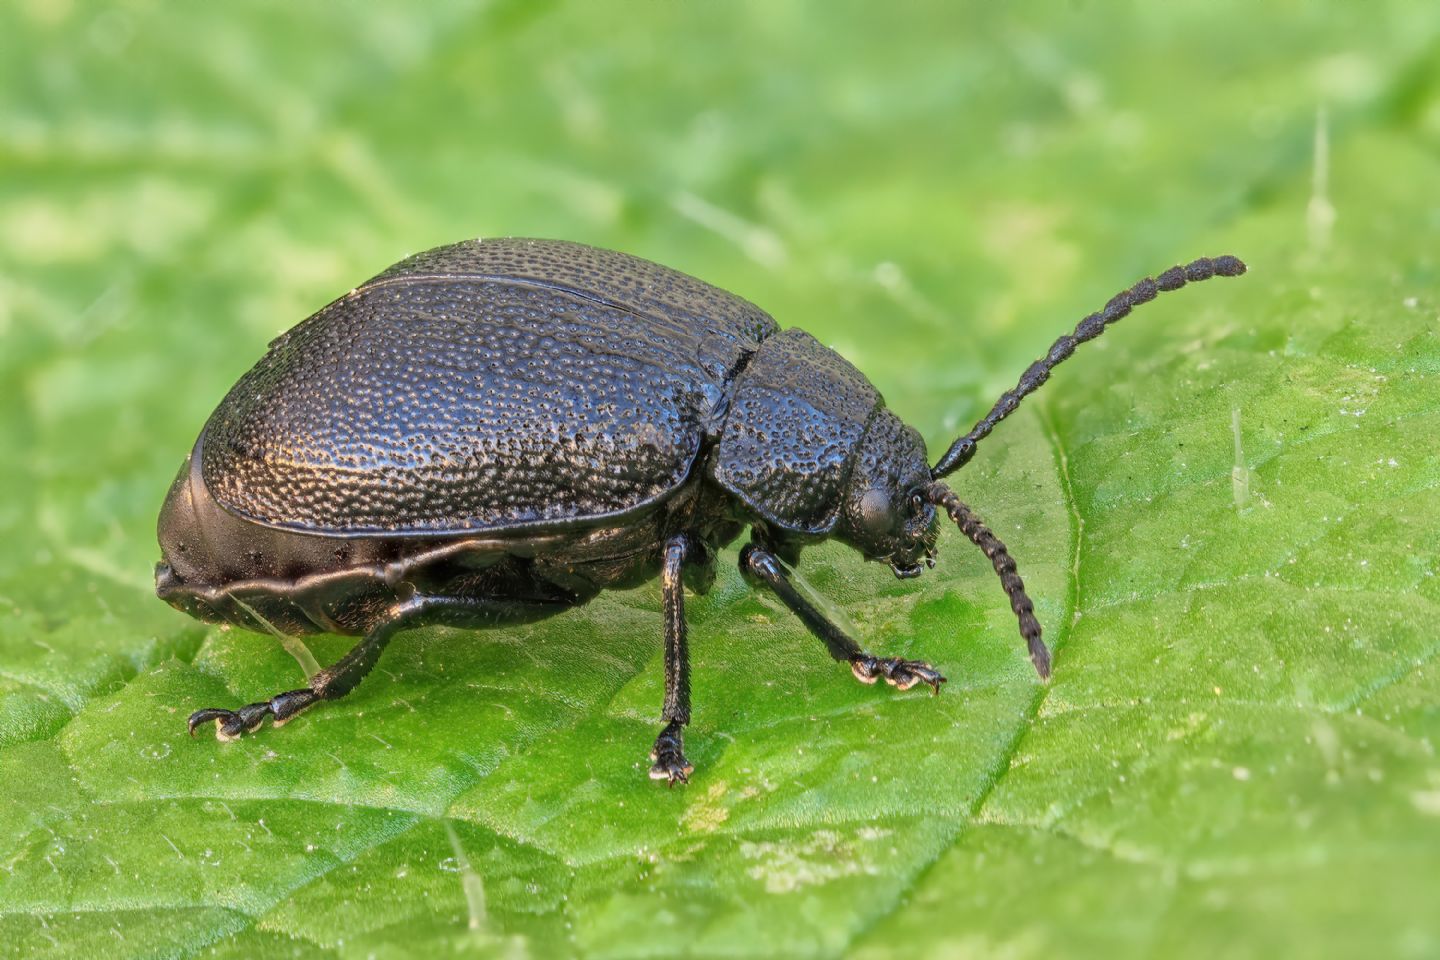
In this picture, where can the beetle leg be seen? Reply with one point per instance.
(899, 673)
(331, 682)
(336, 681)
(668, 756)
(762, 565)
(233, 724)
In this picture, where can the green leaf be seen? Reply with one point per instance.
(1225, 508)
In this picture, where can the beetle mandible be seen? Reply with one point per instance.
(495, 431)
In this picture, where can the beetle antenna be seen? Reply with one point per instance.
(981, 535)
(1091, 327)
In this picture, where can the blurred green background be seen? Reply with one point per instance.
(1225, 508)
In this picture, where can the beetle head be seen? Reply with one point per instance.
(886, 514)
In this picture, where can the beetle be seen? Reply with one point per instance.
(495, 431)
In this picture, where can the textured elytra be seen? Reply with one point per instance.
(446, 395)
(620, 279)
(795, 423)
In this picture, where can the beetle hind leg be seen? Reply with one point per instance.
(233, 724)
(331, 683)
(345, 675)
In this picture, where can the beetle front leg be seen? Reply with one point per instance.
(761, 565)
(668, 756)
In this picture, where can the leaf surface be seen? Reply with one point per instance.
(1225, 509)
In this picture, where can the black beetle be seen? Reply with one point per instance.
(495, 431)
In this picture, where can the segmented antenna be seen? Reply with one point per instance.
(1091, 327)
(981, 535)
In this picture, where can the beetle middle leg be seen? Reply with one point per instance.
(345, 675)
(760, 564)
(668, 756)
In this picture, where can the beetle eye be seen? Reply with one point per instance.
(875, 511)
(917, 503)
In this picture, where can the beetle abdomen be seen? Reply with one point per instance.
(438, 399)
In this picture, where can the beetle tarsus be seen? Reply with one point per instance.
(899, 673)
(668, 757)
(234, 724)
(229, 725)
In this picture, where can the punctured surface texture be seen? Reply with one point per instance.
(795, 424)
(482, 386)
